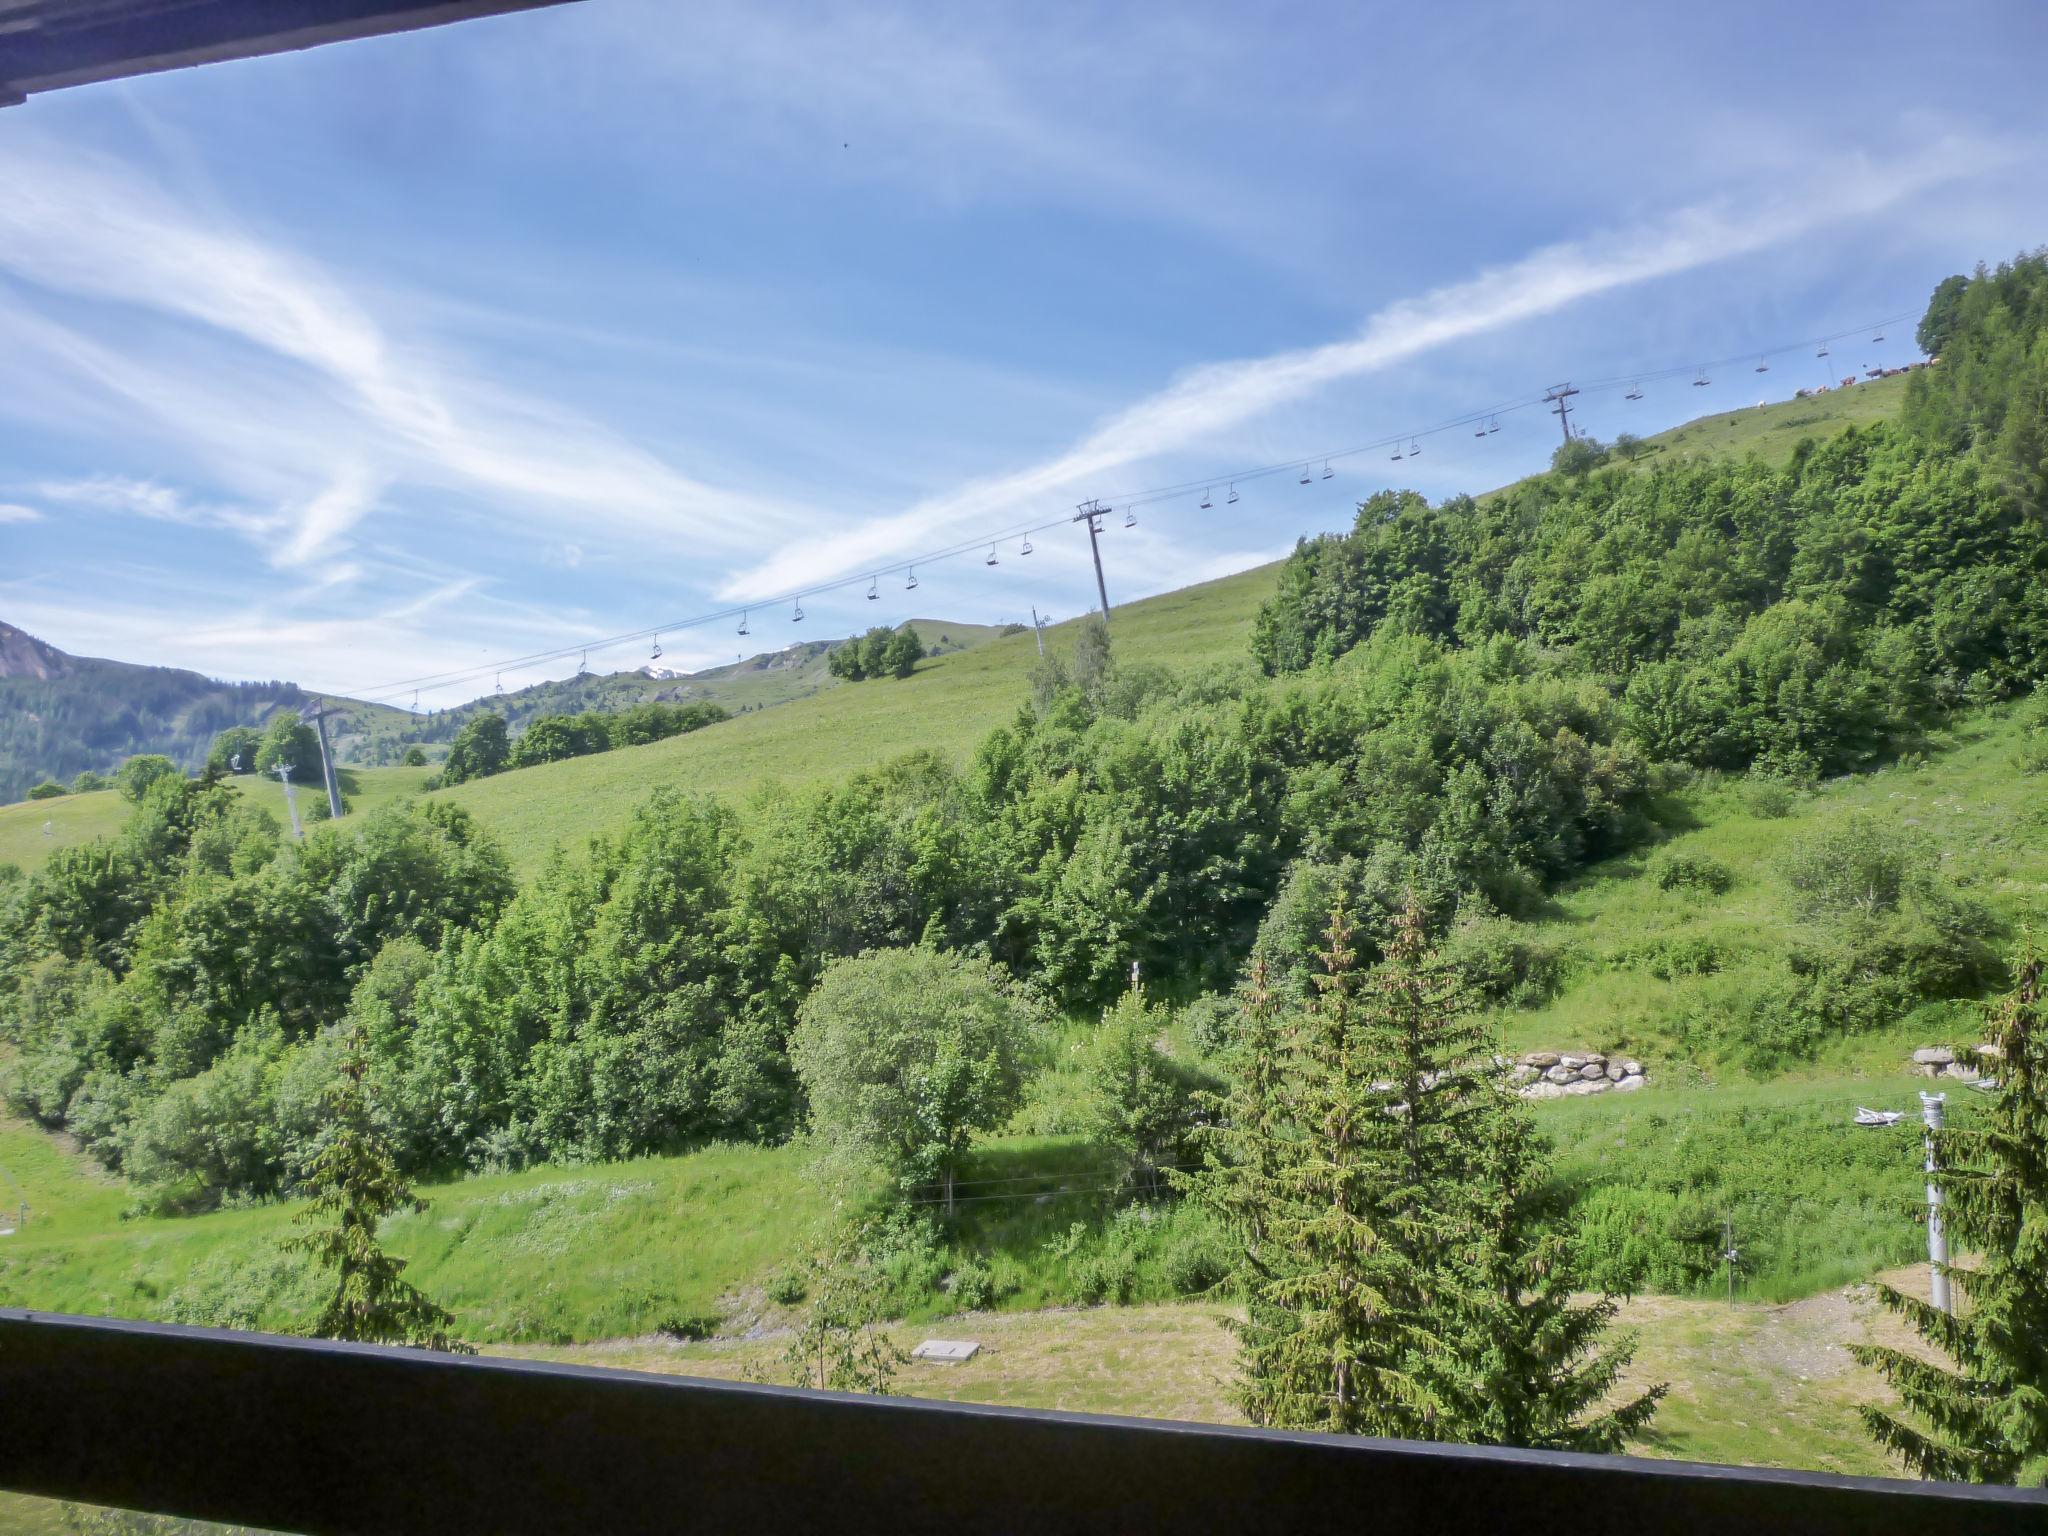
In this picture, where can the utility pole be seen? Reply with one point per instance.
(1560, 401)
(1937, 1235)
(327, 765)
(1730, 1254)
(1090, 511)
(1038, 629)
(291, 801)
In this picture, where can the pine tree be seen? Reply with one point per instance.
(356, 1184)
(1532, 1370)
(1985, 1420)
(1400, 1272)
(1244, 1146)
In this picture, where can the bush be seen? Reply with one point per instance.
(415, 757)
(134, 777)
(691, 1327)
(87, 782)
(906, 1053)
(1856, 863)
(1210, 1022)
(1769, 796)
(1676, 870)
(49, 789)
(1499, 959)
(788, 1285)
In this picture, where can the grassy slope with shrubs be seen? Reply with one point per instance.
(952, 701)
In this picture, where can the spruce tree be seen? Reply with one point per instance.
(355, 1184)
(1401, 1275)
(1985, 1419)
(1531, 1368)
(1244, 1146)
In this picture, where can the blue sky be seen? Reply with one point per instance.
(406, 356)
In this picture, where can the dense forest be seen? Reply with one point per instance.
(63, 715)
(1447, 711)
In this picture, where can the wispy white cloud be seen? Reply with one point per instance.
(1210, 400)
(383, 410)
(15, 512)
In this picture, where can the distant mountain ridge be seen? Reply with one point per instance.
(61, 715)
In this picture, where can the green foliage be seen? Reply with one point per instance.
(289, 743)
(838, 1344)
(1677, 870)
(881, 652)
(87, 782)
(135, 776)
(415, 757)
(480, 749)
(1578, 458)
(235, 750)
(1980, 1414)
(904, 1054)
(1142, 1100)
(49, 789)
(1402, 1271)
(355, 1184)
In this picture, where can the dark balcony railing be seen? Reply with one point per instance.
(305, 1436)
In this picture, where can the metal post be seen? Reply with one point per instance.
(1089, 513)
(1937, 1236)
(1038, 629)
(1561, 395)
(327, 765)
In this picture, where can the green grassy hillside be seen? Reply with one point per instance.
(1647, 970)
(947, 705)
(819, 729)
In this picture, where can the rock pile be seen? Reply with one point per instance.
(1940, 1061)
(1562, 1074)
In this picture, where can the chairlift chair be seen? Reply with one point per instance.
(743, 623)
(656, 655)
(1397, 455)
(874, 589)
(991, 560)
(911, 585)
(1702, 381)
(1304, 474)
(1823, 352)
(1233, 494)
(1493, 425)
(1414, 448)
(1763, 365)
(1025, 547)
(1130, 517)
(1480, 430)
(798, 616)
(1877, 338)
(1635, 391)
(1207, 502)
(1327, 471)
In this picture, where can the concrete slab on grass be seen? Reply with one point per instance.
(946, 1351)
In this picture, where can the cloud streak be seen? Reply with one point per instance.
(1217, 397)
(385, 413)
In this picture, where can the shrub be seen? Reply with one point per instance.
(1855, 863)
(49, 789)
(1499, 959)
(906, 1053)
(1677, 870)
(691, 1327)
(787, 1286)
(414, 757)
(1210, 1022)
(1769, 796)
